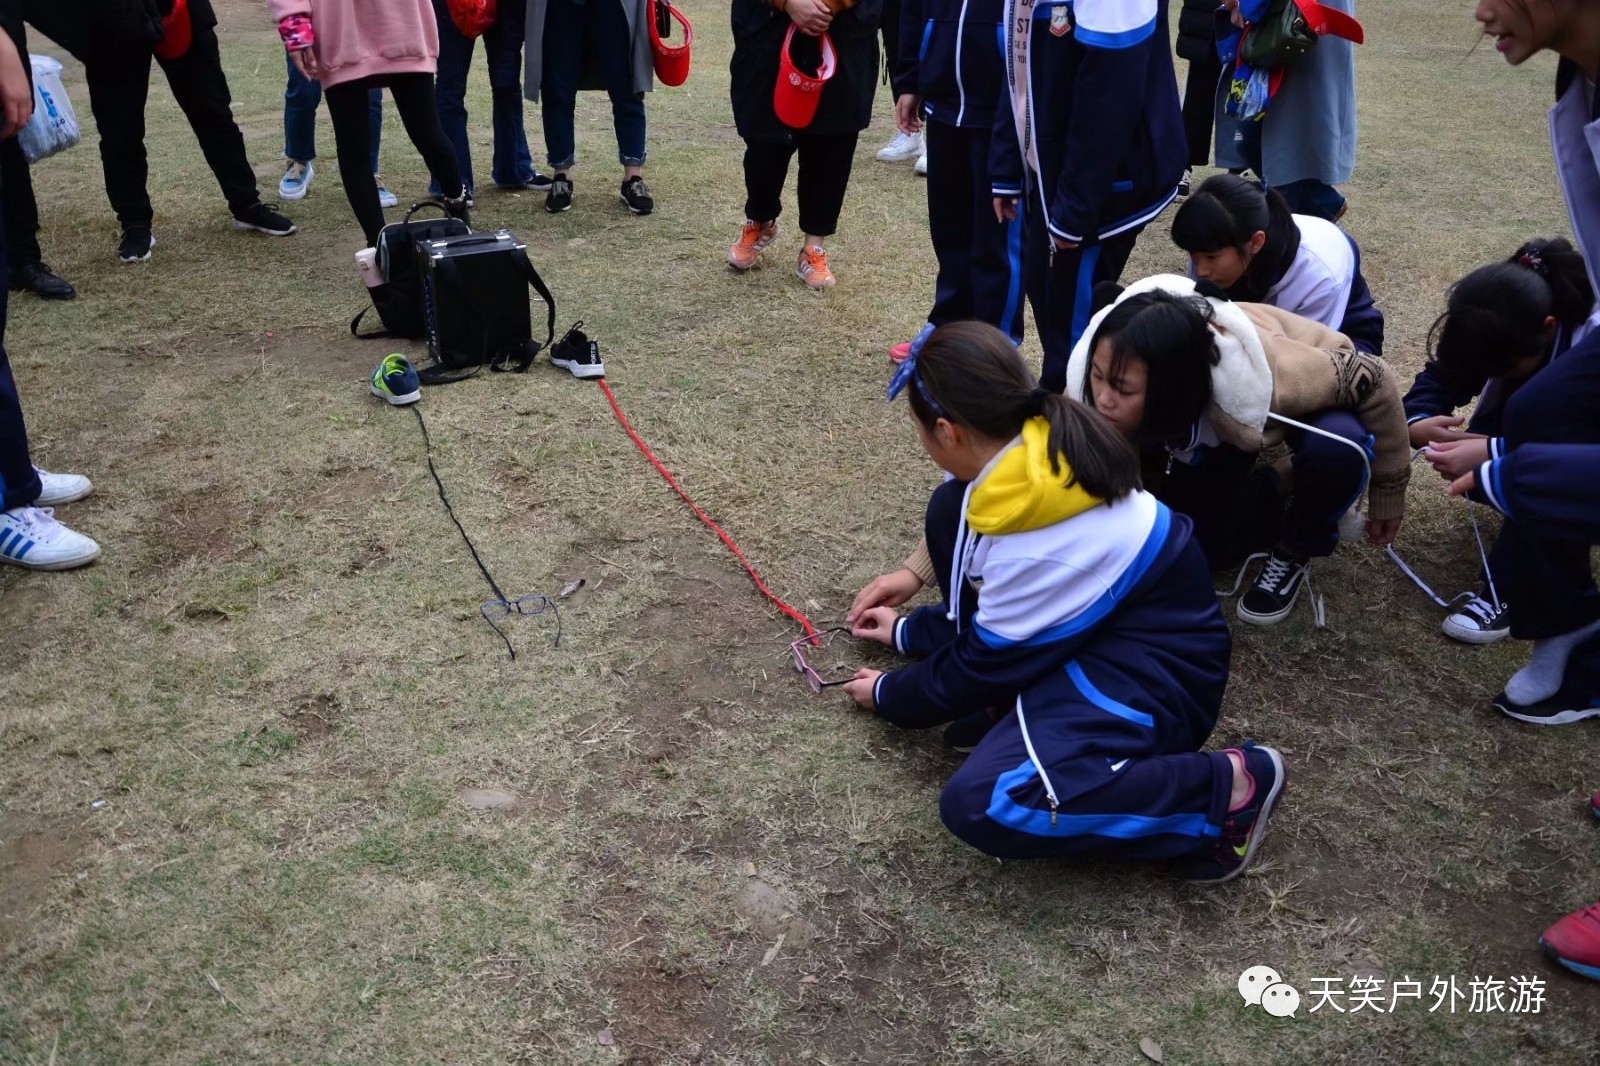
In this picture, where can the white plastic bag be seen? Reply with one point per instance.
(53, 127)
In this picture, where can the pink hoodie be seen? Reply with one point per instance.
(359, 38)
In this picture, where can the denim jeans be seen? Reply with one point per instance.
(1312, 197)
(300, 99)
(502, 45)
(569, 31)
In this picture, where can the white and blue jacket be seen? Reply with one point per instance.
(1091, 118)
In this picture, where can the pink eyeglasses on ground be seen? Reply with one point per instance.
(820, 640)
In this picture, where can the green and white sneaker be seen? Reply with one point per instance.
(395, 381)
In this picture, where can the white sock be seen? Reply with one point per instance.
(1547, 666)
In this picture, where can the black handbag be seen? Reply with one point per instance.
(398, 300)
(1280, 39)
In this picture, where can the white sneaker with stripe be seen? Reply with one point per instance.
(31, 537)
(57, 489)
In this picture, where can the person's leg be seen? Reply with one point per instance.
(201, 89)
(347, 107)
(413, 98)
(766, 169)
(375, 124)
(450, 89)
(608, 28)
(951, 229)
(1200, 106)
(19, 481)
(21, 210)
(1116, 798)
(563, 63)
(1312, 197)
(995, 247)
(890, 28)
(301, 96)
(1328, 479)
(502, 45)
(824, 176)
(119, 82)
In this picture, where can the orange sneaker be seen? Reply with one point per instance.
(755, 237)
(812, 268)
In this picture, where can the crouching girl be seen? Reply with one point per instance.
(1077, 607)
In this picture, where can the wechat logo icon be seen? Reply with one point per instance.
(1264, 987)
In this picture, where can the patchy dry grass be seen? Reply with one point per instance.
(277, 682)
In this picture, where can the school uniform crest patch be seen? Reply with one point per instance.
(1060, 20)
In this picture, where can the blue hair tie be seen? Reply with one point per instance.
(907, 371)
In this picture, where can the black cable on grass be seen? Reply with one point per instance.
(427, 444)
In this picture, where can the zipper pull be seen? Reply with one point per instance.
(1053, 806)
(1169, 461)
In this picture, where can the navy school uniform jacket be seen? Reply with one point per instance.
(1090, 114)
(952, 55)
(1096, 619)
(1554, 488)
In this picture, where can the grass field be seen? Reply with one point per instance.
(233, 753)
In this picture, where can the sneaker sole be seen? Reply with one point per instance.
(1469, 635)
(60, 564)
(1263, 819)
(1270, 619)
(1577, 714)
(557, 210)
(145, 258)
(1591, 972)
(898, 157)
(389, 201)
(398, 401)
(243, 226)
(292, 195)
(579, 371)
(635, 210)
(57, 501)
(820, 286)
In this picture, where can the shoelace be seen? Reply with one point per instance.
(1319, 606)
(1483, 612)
(38, 523)
(1483, 557)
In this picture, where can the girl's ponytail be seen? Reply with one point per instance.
(970, 374)
(1562, 268)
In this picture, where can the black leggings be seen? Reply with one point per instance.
(413, 97)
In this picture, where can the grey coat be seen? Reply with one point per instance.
(1309, 132)
(644, 72)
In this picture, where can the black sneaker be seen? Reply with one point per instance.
(1277, 587)
(460, 207)
(1564, 708)
(1184, 184)
(262, 219)
(40, 280)
(538, 183)
(1242, 830)
(1479, 622)
(636, 194)
(559, 198)
(136, 244)
(577, 354)
(963, 734)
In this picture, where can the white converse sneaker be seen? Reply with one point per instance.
(57, 489)
(31, 537)
(903, 147)
(1479, 622)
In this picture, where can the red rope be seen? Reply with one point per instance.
(664, 472)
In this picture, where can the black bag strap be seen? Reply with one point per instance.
(355, 327)
(536, 283)
(441, 208)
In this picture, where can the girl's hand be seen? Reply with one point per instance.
(1005, 208)
(859, 688)
(875, 623)
(1381, 531)
(1436, 430)
(907, 112)
(1453, 459)
(1061, 245)
(890, 590)
(810, 17)
(1464, 484)
(305, 61)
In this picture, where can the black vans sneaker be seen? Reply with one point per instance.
(577, 354)
(636, 194)
(262, 219)
(1479, 622)
(559, 198)
(1564, 708)
(136, 244)
(1277, 587)
(963, 734)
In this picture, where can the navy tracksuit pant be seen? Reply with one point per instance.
(1548, 581)
(19, 484)
(1119, 745)
(980, 257)
(1061, 286)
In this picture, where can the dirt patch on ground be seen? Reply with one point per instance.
(33, 853)
(314, 717)
(205, 524)
(24, 606)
